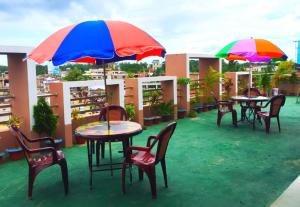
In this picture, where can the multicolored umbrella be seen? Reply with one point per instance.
(253, 50)
(97, 42)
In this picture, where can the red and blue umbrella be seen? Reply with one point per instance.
(97, 42)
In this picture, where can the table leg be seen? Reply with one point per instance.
(110, 158)
(90, 161)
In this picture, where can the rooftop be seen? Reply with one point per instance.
(206, 165)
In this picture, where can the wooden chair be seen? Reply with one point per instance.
(39, 159)
(276, 103)
(116, 113)
(146, 161)
(225, 107)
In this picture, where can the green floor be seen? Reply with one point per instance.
(207, 166)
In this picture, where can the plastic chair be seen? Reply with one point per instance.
(245, 106)
(39, 159)
(146, 160)
(116, 113)
(276, 103)
(225, 107)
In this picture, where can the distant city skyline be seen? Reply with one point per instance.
(180, 26)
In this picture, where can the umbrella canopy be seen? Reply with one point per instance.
(97, 41)
(253, 50)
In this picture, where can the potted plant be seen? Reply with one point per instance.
(153, 99)
(130, 110)
(212, 77)
(15, 153)
(165, 110)
(181, 112)
(45, 120)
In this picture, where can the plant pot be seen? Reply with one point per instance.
(15, 154)
(156, 120)
(80, 140)
(181, 113)
(148, 121)
(166, 118)
(2, 155)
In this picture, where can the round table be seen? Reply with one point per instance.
(121, 130)
(248, 105)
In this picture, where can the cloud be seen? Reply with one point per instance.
(181, 26)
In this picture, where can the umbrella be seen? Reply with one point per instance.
(252, 50)
(97, 42)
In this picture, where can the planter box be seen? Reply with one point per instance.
(15, 154)
(156, 120)
(166, 118)
(181, 113)
(148, 121)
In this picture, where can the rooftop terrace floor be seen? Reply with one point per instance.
(206, 165)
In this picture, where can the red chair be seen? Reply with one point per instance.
(225, 107)
(146, 160)
(276, 103)
(116, 113)
(244, 107)
(39, 159)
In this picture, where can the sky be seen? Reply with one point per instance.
(181, 26)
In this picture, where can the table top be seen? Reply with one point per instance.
(252, 98)
(99, 130)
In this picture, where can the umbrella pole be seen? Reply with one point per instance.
(106, 96)
(107, 117)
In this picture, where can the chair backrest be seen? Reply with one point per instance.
(163, 140)
(276, 103)
(253, 92)
(116, 113)
(22, 140)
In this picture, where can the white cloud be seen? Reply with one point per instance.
(181, 26)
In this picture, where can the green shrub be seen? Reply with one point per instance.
(45, 119)
(130, 110)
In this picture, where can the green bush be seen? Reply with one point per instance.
(130, 110)
(45, 119)
(192, 114)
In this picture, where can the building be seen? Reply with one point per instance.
(98, 74)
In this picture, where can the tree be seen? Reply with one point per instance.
(133, 67)
(45, 119)
(41, 69)
(194, 66)
(81, 67)
(76, 75)
(160, 70)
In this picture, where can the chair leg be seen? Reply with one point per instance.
(31, 178)
(219, 118)
(254, 120)
(163, 166)
(267, 123)
(123, 176)
(152, 179)
(141, 174)
(234, 118)
(278, 122)
(65, 176)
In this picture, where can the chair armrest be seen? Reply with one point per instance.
(151, 138)
(43, 139)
